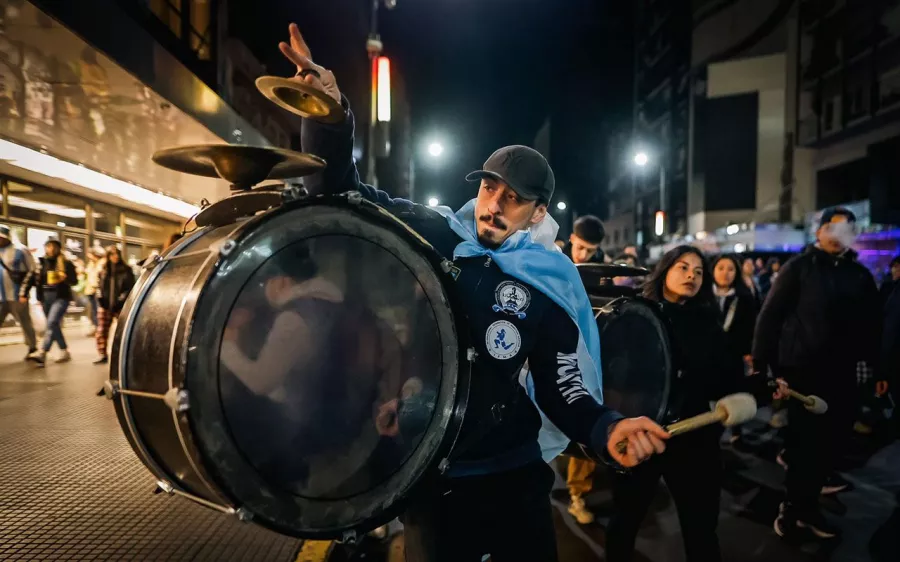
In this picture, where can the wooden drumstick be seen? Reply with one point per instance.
(811, 402)
(731, 410)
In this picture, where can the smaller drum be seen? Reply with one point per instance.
(636, 356)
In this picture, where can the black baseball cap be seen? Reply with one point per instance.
(4, 232)
(524, 169)
(829, 214)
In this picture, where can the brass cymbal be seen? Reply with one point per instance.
(300, 98)
(243, 166)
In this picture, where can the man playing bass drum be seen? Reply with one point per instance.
(523, 301)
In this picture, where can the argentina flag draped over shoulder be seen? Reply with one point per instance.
(548, 270)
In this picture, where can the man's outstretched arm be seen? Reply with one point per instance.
(560, 393)
(334, 142)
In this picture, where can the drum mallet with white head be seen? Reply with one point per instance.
(812, 403)
(733, 409)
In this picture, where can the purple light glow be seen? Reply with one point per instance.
(892, 234)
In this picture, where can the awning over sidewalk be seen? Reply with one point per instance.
(73, 119)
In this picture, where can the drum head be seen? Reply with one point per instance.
(636, 359)
(325, 362)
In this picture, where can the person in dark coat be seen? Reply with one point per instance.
(53, 285)
(691, 466)
(890, 342)
(737, 312)
(584, 242)
(820, 332)
(748, 276)
(116, 281)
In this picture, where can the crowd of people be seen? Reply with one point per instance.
(817, 324)
(57, 281)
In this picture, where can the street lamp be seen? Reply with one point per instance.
(561, 205)
(641, 160)
(435, 149)
(433, 202)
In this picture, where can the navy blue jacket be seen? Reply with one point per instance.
(510, 322)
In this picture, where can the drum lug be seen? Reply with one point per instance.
(227, 247)
(294, 193)
(110, 389)
(152, 262)
(163, 486)
(354, 198)
(349, 537)
(243, 515)
(444, 465)
(177, 399)
(471, 355)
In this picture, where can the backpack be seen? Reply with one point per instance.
(71, 274)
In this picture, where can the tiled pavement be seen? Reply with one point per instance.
(71, 489)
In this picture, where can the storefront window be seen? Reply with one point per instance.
(74, 247)
(133, 254)
(45, 205)
(19, 233)
(148, 228)
(106, 219)
(37, 238)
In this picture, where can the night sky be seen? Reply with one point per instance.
(481, 74)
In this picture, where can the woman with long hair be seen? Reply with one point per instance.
(737, 312)
(737, 308)
(748, 276)
(691, 467)
(115, 282)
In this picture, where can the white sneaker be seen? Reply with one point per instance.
(580, 512)
(64, 357)
(38, 357)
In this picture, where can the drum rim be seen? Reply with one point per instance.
(118, 368)
(452, 411)
(616, 304)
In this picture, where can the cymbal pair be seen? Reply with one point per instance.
(245, 166)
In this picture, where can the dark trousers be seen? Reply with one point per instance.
(506, 515)
(692, 470)
(813, 443)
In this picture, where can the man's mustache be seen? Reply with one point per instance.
(493, 221)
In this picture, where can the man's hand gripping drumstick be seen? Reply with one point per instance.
(644, 439)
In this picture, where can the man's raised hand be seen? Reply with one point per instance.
(308, 72)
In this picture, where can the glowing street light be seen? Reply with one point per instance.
(641, 159)
(561, 206)
(433, 202)
(435, 149)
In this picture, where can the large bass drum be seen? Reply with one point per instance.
(636, 355)
(301, 369)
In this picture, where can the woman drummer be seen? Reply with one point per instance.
(691, 466)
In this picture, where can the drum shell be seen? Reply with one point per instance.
(635, 354)
(150, 333)
(183, 453)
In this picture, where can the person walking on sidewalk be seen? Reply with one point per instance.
(16, 269)
(115, 282)
(92, 281)
(54, 289)
(820, 331)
